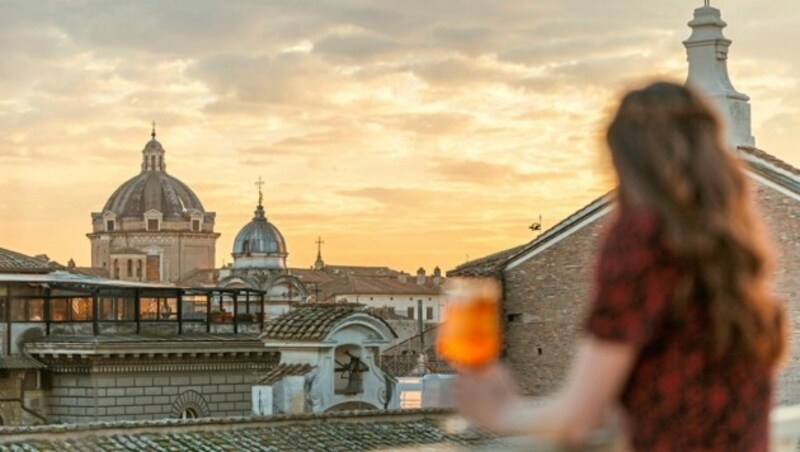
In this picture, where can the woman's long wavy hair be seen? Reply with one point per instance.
(669, 153)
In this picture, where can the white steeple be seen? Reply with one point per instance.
(707, 51)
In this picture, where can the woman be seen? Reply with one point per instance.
(683, 333)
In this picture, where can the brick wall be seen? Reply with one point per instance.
(105, 397)
(546, 297)
(782, 215)
(544, 301)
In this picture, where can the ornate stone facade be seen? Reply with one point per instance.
(153, 227)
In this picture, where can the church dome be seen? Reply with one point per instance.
(259, 236)
(153, 188)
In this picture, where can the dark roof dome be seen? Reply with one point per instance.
(153, 188)
(259, 236)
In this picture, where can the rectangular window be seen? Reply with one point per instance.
(196, 225)
(158, 308)
(152, 224)
(119, 309)
(429, 313)
(109, 225)
(27, 310)
(82, 309)
(59, 309)
(410, 313)
(195, 307)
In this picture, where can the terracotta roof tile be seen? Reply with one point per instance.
(308, 322)
(13, 262)
(20, 362)
(281, 371)
(327, 432)
(357, 285)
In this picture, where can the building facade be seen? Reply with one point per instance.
(153, 228)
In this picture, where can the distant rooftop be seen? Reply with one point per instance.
(13, 262)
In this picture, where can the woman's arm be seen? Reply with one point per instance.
(595, 379)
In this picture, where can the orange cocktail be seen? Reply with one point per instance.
(469, 336)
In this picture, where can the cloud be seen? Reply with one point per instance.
(490, 173)
(366, 118)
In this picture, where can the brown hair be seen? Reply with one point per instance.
(669, 153)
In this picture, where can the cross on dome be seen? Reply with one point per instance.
(319, 243)
(153, 133)
(260, 183)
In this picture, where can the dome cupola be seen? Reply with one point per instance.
(153, 189)
(259, 244)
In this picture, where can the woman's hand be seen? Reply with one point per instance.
(486, 396)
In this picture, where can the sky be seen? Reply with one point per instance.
(407, 134)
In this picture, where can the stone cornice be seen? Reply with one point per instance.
(189, 362)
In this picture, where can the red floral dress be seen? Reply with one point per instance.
(678, 397)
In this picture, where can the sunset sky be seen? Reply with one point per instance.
(405, 133)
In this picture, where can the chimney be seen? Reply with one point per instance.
(421, 276)
(437, 276)
(707, 52)
(402, 277)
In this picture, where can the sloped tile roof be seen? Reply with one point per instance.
(487, 265)
(328, 432)
(493, 264)
(281, 371)
(90, 271)
(13, 262)
(20, 362)
(358, 285)
(308, 275)
(308, 322)
(769, 158)
(200, 277)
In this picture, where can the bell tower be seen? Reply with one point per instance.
(707, 52)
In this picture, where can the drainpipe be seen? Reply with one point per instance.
(420, 327)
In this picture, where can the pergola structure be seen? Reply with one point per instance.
(65, 303)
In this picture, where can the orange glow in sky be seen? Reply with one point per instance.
(406, 134)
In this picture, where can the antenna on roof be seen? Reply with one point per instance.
(536, 226)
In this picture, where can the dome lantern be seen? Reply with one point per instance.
(153, 154)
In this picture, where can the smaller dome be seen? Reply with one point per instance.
(259, 236)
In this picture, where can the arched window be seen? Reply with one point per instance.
(152, 162)
(2, 421)
(246, 247)
(190, 405)
(129, 268)
(159, 162)
(139, 269)
(116, 269)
